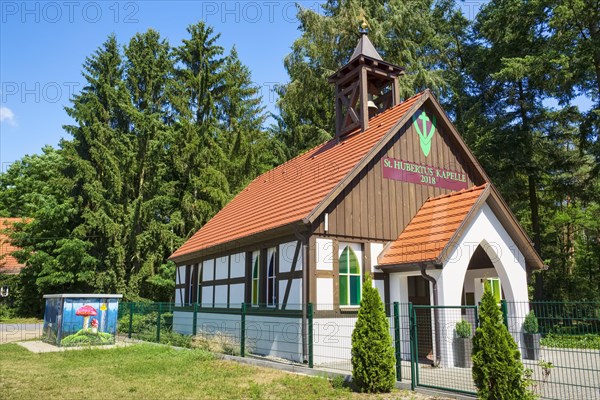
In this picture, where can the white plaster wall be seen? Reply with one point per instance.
(238, 265)
(207, 296)
(295, 297)
(376, 249)
(275, 336)
(380, 286)
(180, 276)
(286, 257)
(219, 324)
(325, 294)
(332, 341)
(324, 253)
(221, 296)
(178, 296)
(509, 264)
(236, 295)
(207, 270)
(222, 268)
(182, 322)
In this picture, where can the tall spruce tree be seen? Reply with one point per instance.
(199, 179)
(243, 139)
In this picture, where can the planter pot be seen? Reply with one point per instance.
(532, 346)
(463, 347)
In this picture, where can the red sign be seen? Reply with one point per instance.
(421, 174)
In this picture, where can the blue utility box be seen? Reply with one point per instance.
(80, 319)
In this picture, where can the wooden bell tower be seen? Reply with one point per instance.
(364, 87)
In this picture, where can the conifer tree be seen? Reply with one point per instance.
(372, 351)
(199, 162)
(497, 367)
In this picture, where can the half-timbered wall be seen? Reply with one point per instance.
(325, 253)
(378, 208)
(226, 281)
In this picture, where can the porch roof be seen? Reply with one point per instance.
(432, 228)
(441, 221)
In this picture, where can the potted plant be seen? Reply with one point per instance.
(463, 346)
(532, 337)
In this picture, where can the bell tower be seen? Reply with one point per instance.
(364, 87)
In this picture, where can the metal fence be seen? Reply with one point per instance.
(564, 355)
(563, 358)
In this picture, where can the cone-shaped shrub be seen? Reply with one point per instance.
(372, 352)
(497, 367)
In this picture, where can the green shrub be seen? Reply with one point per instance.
(372, 352)
(589, 341)
(531, 323)
(84, 338)
(463, 329)
(497, 368)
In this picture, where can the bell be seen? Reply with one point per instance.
(372, 106)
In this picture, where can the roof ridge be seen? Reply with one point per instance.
(386, 111)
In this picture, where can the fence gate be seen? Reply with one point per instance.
(440, 359)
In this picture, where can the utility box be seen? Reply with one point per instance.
(80, 319)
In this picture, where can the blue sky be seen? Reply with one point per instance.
(43, 45)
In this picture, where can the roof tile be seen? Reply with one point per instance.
(431, 229)
(8, 264)
(289, 192)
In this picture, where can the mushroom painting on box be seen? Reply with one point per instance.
(80, 319)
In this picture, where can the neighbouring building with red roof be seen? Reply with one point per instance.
(395, 194)
(8, 264)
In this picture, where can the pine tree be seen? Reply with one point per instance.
(372, 352)
(497, 367)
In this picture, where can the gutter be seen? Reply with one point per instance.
(436, 317)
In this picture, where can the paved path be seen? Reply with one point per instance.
(18, 332)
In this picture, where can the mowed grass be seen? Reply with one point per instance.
(153, 372)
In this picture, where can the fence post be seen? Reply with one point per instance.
(243, 331)
(195, 321)
(131, 305)
(397, 341)
(158, 323)
(310, 335)
(504, 312)
(413, 351)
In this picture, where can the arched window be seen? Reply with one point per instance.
(271, 292)
(350, 279)
(255, 276)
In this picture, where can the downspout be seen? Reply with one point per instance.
(436, 318)
(304, 240)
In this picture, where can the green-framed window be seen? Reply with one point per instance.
(255, 276)
(350, 277)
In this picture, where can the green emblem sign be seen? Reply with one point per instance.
(425, 128)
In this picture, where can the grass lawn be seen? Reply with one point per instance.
(21, 321)
(154, 372)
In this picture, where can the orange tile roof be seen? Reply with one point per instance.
(432, 228)
(8, 264)
(289, 192)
